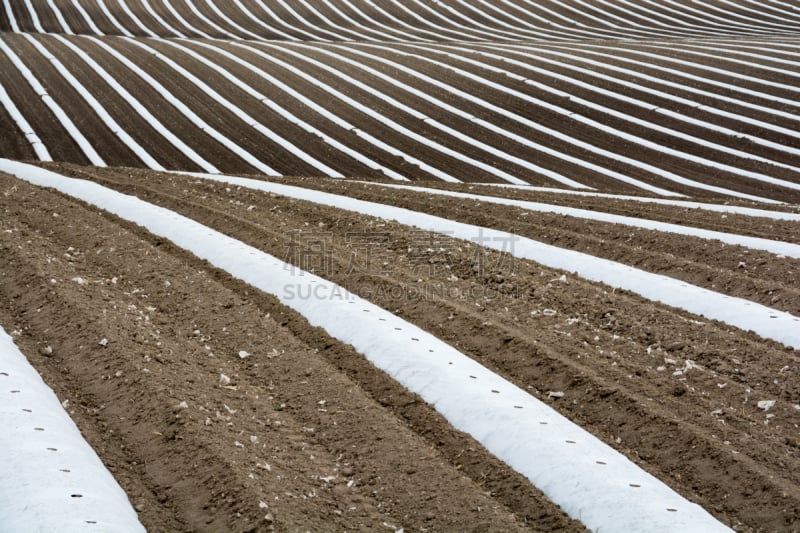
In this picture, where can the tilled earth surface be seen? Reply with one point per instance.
(756, 275)
(304, 432)
(533, 111)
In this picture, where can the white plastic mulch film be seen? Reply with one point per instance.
(51, 480)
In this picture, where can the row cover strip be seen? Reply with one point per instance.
(590, 480)
(756, 243)
(744, 314)
(52, 480)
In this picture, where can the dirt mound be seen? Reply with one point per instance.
(637, 374)
(302, 433)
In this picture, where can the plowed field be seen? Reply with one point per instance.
(219, 408)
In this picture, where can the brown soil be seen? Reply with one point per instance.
(753, 226)
(615, 355)
(759, 276)
(303, 404)
(44, 123)
(305, 434)
(13, 144)
(424, 60)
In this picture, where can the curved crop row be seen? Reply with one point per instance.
(518, 114)
(403, 20)
(566, 112)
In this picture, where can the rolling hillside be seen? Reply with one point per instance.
(664, 98)
(401, 265)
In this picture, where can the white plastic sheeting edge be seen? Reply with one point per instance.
(24, 126)
(140, 109)
(606, 129)
(587, 478)
(52, 480)
(756, 243)
(688, 204)
(62, 117)
(108, 120)
(765, 321)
